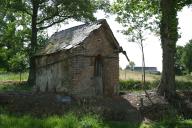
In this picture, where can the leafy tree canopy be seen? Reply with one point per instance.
(187, 56)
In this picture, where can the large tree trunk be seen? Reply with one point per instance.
(169, 38)
(31, 79)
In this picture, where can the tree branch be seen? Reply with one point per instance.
(47, 18)
(53, 23)
(27, 12)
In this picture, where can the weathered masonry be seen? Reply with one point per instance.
(81, 60)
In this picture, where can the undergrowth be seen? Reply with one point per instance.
(136, 85)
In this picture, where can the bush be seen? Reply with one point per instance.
(136, 85)
(183, 85)
(126, 85)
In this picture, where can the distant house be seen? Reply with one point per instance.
(81, 60)
(147, 69)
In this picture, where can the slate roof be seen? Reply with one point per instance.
(72, 37)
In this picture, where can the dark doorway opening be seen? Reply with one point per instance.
(98, 66)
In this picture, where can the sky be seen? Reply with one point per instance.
(152, 47)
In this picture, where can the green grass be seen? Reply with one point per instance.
(132, 75)
(71, 120)
(67, 121)
(15, 87)
(168, 123)
(11, 82)
(4, 76)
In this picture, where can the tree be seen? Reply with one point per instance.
(18, 63)
(12, 39)
(131, 65)
(46, 13)
(169, 36)
(187, 57)
(138, 22)
(179, 66)
(168, 31)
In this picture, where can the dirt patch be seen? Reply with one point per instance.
(161, 108)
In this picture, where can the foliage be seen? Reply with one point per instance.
(131, 65)
(136, 17)
(183, 59)
(47, 13)
(14, 37)
(179, 67)
(138, 22)
(18, 63)
(187, 56)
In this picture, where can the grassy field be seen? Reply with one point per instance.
(131, 75)
(71, 120)
(130, 80)
(4, 76)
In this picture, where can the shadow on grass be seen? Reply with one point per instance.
(14, 86)
(47, 105)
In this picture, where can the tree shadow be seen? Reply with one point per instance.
(182, 101)
(110, 109)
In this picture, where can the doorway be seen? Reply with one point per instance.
(98, 71)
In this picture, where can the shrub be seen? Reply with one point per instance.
(135, 85)
(126, 85)
(183, 85)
